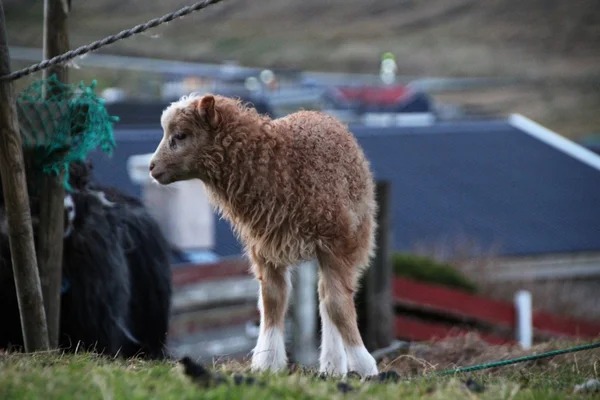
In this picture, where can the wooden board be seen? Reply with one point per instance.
(501, 314)
(407, 328)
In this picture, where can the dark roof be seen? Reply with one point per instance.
(486, 182)
(145, 115)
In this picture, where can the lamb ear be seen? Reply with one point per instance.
(206, 110)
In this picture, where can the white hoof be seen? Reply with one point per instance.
(333, 360)
(361, 361)
(269, 353)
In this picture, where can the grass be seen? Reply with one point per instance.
(86, 376)
(427, 269)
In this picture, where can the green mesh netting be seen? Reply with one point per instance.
(64, 125)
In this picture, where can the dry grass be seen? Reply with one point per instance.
(470, 349)
(569, 108)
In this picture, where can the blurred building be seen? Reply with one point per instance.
(509, 187)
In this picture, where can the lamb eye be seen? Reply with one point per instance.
(180, 136)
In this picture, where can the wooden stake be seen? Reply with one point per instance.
(51, 228)
(20, 232)
(376, 312)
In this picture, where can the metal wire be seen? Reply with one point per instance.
(69, 55)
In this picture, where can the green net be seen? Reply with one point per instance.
(61, 123)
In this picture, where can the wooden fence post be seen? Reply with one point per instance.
(375, 302)
(51, 228)
(20, 232)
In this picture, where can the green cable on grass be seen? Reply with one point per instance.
(503, 363)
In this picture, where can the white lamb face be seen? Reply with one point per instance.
(187, 127)
(172, 159)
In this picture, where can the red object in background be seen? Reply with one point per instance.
(416, 330)
(454, 303)
(224, 269)
(378, 95)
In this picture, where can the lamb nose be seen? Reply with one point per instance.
(152, 166)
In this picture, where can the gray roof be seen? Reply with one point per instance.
(486, 182)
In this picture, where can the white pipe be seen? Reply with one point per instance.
(523, 308)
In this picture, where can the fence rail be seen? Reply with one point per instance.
(417, 330)
(215, 312)
(479, 312)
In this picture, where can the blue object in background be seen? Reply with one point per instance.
(483, 181)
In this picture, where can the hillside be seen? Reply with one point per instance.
(552, 45)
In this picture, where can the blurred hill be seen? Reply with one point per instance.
(553, 46)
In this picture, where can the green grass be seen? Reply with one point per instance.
(85, 376)
(426, 269)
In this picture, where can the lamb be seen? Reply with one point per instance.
(294, 189)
